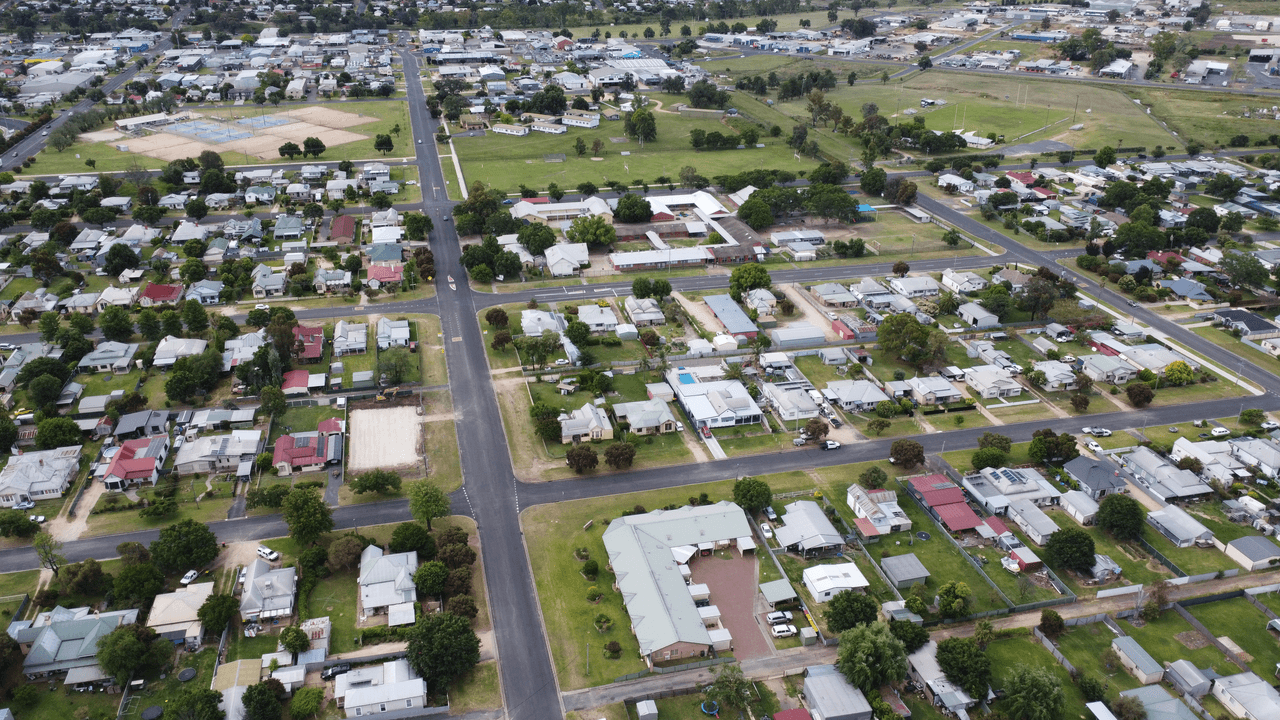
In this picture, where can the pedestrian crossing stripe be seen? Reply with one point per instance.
(457, 339)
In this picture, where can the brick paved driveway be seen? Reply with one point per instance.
(732, 581)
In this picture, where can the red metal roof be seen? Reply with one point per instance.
(298, 451)
(937, 490)
(312, 341)
(157, 292)
(796, 714)
(865, 527)
(957, 516)
(997, 525)
(382, 273)
(331, 425)
(295, 379)
(342, 226)
(127, 465)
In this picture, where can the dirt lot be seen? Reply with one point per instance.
(699, 311)
(813, 315)
(384, 438)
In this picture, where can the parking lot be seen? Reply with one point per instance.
(732, 581)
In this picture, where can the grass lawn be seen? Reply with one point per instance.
(1083, 646)
(443, 465)
(552, 532)
(503, 163)
(208, 510)
(1008, 582)
(1159, 640)
(1007, 654)
(1271, 600)
(961, 460)
(507, 357)
(1021, 413)
(1253, 355)
(302, 419)
(17, 286)
(160, 691)
(1211, 118)
(1212, 517)
(153, 389)
(1194, 393)
(61, 702)
(388, 114)
(335, 596)
(1243, 623)
(1191, 560)
(476, 690)
(898, 426)
(820, 374)
(751, 440)
(106, 383)
(435, 370)
(1136, 564)
(17, 583)
(359, 363)
(240, 647)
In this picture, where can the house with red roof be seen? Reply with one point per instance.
(342, 229)
(312, 343)
(1043, 193)
(136, 462)
(159, 294)
(309, 451)
(295, 382)
(1164, 256)
(380, 275)
(946, 501)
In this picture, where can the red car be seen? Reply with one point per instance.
(706, 431)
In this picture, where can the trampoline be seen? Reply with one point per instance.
(152, 713)
(187, 675)
(922, 535)
(711, 707)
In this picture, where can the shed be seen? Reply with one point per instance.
(1137, 661)
(904, 570)
(1254, 552)
(831, 697)
(1080, 506)
(777, 591)
(1187, 678)
(647, 710)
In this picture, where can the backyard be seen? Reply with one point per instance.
(1246, 626)
(1007, 654)
(1171, 638)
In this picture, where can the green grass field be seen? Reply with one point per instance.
(477, 689)
(1244, 624)
(1160, 640)
(1137, 565)
(335, 596)
(1210, 118)
(1084, 645)
(503, 162)
(1005, 655)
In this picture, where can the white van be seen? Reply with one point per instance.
(267, 553)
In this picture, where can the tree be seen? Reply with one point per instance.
(988, 457)
(875, 426)
(497, 317)
(1033, 693)
(48, 552)
(849, 609)
(185, 544)
(1105, 156)
(582, 458)
(913, 636)
(578, 332)
(620, 455)
(1244, 270)
(294, 639)
(411, 536)
(906, 453)
(376, 481)
(313, 147)
(756, 214)
(137, 585)
(273, 401)
(196, 704)
(593, 230)
(730, 689)
(307, 701)
(307, 516)
(870, 656)
(1070, 548)
(873, 478)
(748, 277)
(217, 610)
(536, 238)
(442, 646)
(984, 633)
(120, 257)
(290, 150)
(1129, 707)
(133, 553)
(641, 125)
(965, 664)
(953, 599)
(1140, 394)
(1122, 516)
(427, 502)
(995, 440)
(430, 578)
(261, 702)
(45, 390)
(57, 432)
(752, 495)
(1051, 623)
(128, 649)
(383, 144)
(632, 209)
(195, 317)
(116, 324)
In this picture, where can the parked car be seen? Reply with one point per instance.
(706, 431)
(190, 577)
(25, 505)
(36, 518)
(1094, 447)
(679, 426)
(830, 445)
(1096, 431)
(334, 671)
(766, 530)
(778, 617)
(1173, 428)
(262, 306)
(783, 631)
(1219, 432)
(770, 513)
(244, 575)
(1268, 425)
(267, 553)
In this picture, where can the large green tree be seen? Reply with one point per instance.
(1033, 693)
(870, 656)
(966, 665)
(427, 502)
(196, 704)
(442, 646)
(261, 702)
(751, 494)
(633, 209)
(137, 585)
(184, 545)
(748, 277)
(1070, 548)
(1122, 516)
(307, 515)
(850, 609)
(129, 649)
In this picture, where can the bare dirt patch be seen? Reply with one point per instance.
(811, 313)
(328, 117)
(699, 311)
(1192, 639)
(1233, 647)
(384, 438)
(101, 136)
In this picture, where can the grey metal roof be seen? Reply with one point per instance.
(901, 568)
(729, 314)
(1141, 659)
(1255, 547)
(1097, 475)
(778, 591)
(831, 697)
(1160, 705)
(807, 526)
(1257, 697)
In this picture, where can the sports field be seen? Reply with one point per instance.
(504, 162)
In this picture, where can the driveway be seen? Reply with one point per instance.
(732, 581)
(714, 446)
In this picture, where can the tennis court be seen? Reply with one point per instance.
(264, 121)
(209, 131)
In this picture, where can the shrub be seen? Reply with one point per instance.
(591, 568)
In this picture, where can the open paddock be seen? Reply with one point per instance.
(383, 438)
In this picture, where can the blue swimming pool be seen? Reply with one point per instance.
(686, 379)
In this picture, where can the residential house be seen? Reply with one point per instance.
(1106, 368)
(268, 593)
(210, 454)
(663, 614)
(342, 229)
(1162, 478)
(391, 687)
(392, 333)
(1254, 552)
(1097, 478)
(1187, 289)
(914, 287)
(991, 382)
(143, 423)
(829, 695)
(923, 668)
(379, 275)
(65, 640)
(1179, 527)
(805, 529)
(1032, 520)
(109, 356)
(157, 294)
(171, 349)
(302, 452)
(386, 582)
(731, 316)
(565, 259)
(119, 296)
(792, 404)
(1259, 453)
(962, 282)
(643, 312)
(599, 319)
(174, 616)
(646, 417)
(350, 338)
(206, 292)
(587, 423)
(1248, 324)
(834, 295)
(38, 475)
(267, 283)
(933, 390)
(288, 227)
(876, 512)
(1016, 279)
(1058, 376)
(1216, 460)
(977, 316)
(136, 462)
(718, 403)
(854, 395)
(1080, 506)
(1247, 696)
(330, 280)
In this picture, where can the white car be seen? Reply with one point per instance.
(783, 631)
(1094, 447)
(190, 577)
(562, 361)
(768, 531)
(1219, 432)
(36, 518)
(262, 306)
(244, 575)
(24, 505)
(1268, 425)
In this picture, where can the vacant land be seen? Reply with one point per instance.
(504, 162)
(1209, 118)
(383, 438)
